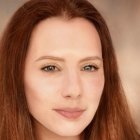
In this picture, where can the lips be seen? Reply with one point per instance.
(70, 113)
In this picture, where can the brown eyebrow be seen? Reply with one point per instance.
(92, 58)
(50, 57)
(61, 59)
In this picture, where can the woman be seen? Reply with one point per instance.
(59, 76)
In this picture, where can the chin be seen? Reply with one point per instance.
(69, 133)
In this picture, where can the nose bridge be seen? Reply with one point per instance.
(73, 84)
(74, 78)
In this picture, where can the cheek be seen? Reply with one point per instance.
(93, 87)
(41, 91)
(41, 85)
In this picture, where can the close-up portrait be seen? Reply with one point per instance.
(69, 70)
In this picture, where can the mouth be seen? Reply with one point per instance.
(70, 113)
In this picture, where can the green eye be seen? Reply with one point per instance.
(50, 68)
(90, 68)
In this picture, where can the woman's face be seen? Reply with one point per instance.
(64, 76)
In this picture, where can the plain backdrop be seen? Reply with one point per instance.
(123, 19)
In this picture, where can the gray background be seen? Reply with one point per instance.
(123, 19)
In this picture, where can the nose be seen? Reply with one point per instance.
(73, 86)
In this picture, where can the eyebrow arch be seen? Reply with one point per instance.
(61, 59)
(91, 58)
(50, 57)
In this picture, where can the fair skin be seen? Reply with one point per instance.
(69, 75)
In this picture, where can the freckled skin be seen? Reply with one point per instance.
(69, 85)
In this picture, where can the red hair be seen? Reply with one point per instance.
(112, 120)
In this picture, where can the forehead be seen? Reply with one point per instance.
(56, 33)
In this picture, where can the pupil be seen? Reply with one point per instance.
(88, 67)
(51, 67)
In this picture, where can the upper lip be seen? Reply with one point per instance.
(70, 109)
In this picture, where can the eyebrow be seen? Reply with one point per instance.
(62, 60)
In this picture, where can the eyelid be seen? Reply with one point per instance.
(51, 64)
(96, 65)
(59, 69)
(91, 64)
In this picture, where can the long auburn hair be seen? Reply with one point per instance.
(112, 120)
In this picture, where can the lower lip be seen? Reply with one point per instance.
(70, 115)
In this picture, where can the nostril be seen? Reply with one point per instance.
(73, 86)
(72, 93)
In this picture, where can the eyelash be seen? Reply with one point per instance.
(93, 67)
(48, 67)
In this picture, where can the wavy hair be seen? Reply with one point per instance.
(112, 120)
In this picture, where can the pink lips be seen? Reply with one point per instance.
(70, 113)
